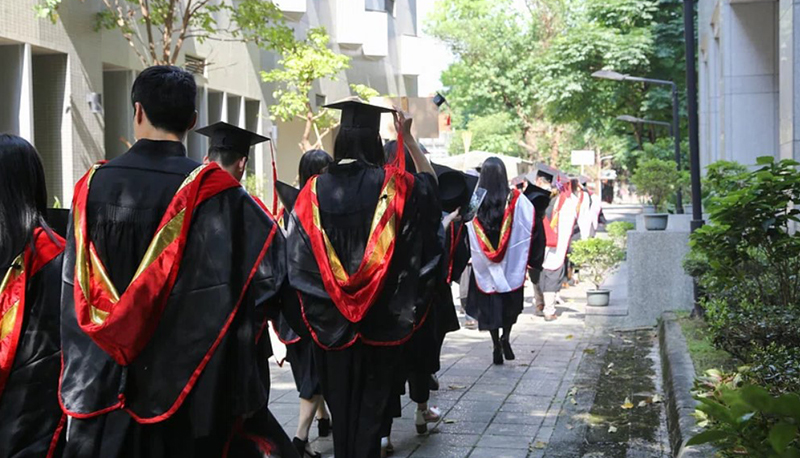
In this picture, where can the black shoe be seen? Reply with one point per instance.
(498, 355)
(433, 383)
(302, 451)
(508, 353)
(324, 427)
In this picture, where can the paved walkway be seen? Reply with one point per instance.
(540, 405)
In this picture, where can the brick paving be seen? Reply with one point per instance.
(508, 411)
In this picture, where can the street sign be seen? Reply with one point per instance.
(583, 157)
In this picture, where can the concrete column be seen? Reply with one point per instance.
(26, 95)
(789, 78)
(67, 141)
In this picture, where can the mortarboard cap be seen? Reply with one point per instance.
(539, 197)
(454, 190)
(359, 115)
(228, 137)
(287, 194)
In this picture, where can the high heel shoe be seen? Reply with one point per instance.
(508, 353)
(498, 355)
(302, 449)
(324, 427)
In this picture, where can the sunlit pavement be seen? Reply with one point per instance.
(535, 406)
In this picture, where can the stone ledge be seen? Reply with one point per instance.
(678, 372)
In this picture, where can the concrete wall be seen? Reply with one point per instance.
(739, 80)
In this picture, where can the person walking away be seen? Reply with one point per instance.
(360, 265)
(300, 349)
(168, 269)
(559, 223)
(229, 147)
(504, 243)
(30, 290)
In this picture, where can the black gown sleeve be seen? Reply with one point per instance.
(538, 244)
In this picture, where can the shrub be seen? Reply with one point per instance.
(657, 179)
(743, 419)
(597, 258)
(618, 230)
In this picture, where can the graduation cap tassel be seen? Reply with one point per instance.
(274, 179)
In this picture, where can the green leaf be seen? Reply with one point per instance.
(781, 435)
(758, 398)
(711, 435)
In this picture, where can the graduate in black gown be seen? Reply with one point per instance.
(229, 147)
(31, 421)
(299, 350)
(357, 257)
(168, 270)
(504, 239)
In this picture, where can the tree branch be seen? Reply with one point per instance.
(166, 38)
(145, 7)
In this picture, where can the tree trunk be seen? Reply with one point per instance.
(555, 145)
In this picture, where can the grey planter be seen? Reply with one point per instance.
(598, 297)
(656, 221)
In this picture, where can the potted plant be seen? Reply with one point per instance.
(597, 258)
(657, 179)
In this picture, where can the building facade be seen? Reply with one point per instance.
(66, 87)
(749, 69)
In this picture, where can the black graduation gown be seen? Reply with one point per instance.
(500, 310)
(357, 378)
(126, 201)
(30, 417)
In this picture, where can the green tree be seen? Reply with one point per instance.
(156, 30)
(302, 63)
(496, 133)
(495, 45)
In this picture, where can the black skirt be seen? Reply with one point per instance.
(493, 311)
(301, 358)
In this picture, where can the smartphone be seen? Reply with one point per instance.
(474, 203)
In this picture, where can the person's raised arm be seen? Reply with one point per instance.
(421, 163)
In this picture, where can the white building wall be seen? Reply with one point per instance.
(742, 87)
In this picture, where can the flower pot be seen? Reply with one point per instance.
(656, 221)
(598, 297)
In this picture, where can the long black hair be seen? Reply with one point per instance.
(23, 196)
(494, 180)
(313, 162)
(359, 143)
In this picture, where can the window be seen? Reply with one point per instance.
(380, 5)
(320, 100)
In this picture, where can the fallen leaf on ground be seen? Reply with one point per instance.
(627, 341)
(612, 429)
(656, 399)
(572, 391)
(449, 421)
(455, 387)
(610, 365)
(627, 405)
(569, 337)
(590, 351)
(573, 401)
(523, 364)
(642, 403)
(568, 426)
(539, 445)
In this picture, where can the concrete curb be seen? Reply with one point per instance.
(678, 372)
